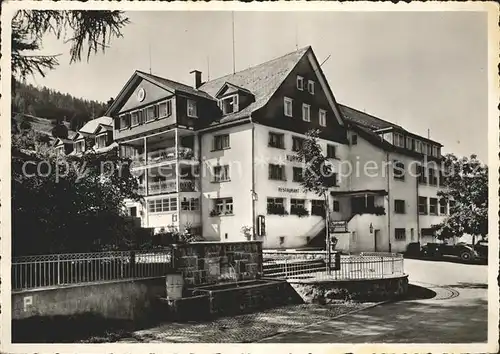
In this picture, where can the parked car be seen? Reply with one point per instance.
(481, 248)
(462, 250)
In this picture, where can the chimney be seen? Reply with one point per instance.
(197, 78)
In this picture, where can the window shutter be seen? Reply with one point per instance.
(117, 122)
(270, 171)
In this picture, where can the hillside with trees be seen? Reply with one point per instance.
(56, 106)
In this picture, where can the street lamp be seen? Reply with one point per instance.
(371, 228)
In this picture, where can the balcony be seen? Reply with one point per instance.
(170, 187)
(370, 209)
(169, 154)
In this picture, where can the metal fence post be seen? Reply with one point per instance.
(58, 270)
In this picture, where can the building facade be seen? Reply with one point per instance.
(219, 158)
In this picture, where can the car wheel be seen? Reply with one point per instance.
(465, 256)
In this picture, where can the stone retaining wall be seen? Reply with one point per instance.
(358, 290)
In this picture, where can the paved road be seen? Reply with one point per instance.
(456, 314)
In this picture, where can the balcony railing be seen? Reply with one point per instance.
(377, 210)
(161, 187)
(169, 154)
(170, 186)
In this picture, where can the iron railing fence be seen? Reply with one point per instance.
(311, 266)
(40, 271)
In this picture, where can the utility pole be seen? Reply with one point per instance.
(234, 64)
(150, 71)
(208, 68)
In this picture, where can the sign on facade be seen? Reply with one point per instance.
(338, 226)
(288, 190)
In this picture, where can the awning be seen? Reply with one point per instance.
(379, 192)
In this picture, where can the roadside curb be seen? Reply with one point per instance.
(323, 321)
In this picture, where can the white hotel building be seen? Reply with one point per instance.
(220, 155)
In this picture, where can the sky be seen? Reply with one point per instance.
(426, 71)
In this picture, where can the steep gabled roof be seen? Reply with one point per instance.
(261, 80)
(91, 126)
(174, 85)
(228, 85)
(168, 85)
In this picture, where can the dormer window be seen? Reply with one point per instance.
(79, 146)
(310, 87)
(229, 104)
(100, 141)
(300, 83)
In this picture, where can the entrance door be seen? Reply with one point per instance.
(378, 241)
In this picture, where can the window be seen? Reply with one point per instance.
(435, 151)
(124, 121)
(277, 172)
(297, 174)
(433, 181)
(322, 117)
(451, 205)
(443, 206)
(221, 173)
(165, 109)
(421, 174)
(422, 205)
(354, 139)
(151, 113)
(300, 83)
(134, 118)
(288, 107)
(306, 112)
(192, 110)
(100, 141)
(410, 143)
(221, 142)
(425, 148)
(190, 204)
(331, 151)
(297, 205)
(399, 170)
(317, 208)
(336, 206)
(223, 206)
(80, 146)
(399, 206)
(442, 179)
(418, 146)
(399, 140)
(277, 140)
(162, 205)
(332, 180)
(310, 87)
(433, 205)
(400, 234)
(132, 211)
(229, 104)
(297, 143)
(276, 206)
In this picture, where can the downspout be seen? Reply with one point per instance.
(253, 182)
(200, 169)
(388, 202)
(418, 214)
